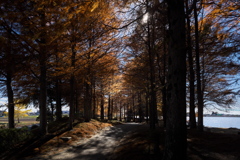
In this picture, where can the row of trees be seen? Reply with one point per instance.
(211, 56)
(183, 53)
(55, 53)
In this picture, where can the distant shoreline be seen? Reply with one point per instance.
(221, 115)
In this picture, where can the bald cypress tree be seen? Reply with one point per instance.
(175, 142)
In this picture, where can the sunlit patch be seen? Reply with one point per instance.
(145, 18)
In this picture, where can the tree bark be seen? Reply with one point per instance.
(109, 107)
(87, 103)
(176, 136)
(162, 78)
(198, 70)
(153, 99)
(94, 100)
(43, 76)
(10, 101)
(120, 111)
(43, 96)
(124, 112)
(72, 84)
(58, 101)
(102, 103)
(9, 76)
(164, 84)
(140, 110)
(192, 118)
(71, 105)
(147, 107)
(133, 107)
(111, 115)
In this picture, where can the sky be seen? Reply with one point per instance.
(235, 108)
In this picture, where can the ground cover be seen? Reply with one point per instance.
(38, 144)
(24, 121)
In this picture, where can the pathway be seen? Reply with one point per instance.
(98, 147)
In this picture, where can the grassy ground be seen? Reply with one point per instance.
(25, 121)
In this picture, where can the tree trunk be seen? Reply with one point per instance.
(10, 101)
(164, 89)
(52, 111)
(164, 102)
(58, 101)
(94, 100)
(72, 84)
(9, 76)
(140, 110)
(111, 115)
(147, 107)
(162, 78)
(43, 76)
(198, 69)
(176, 136)
(133, 108)
(71, 104)
(153, 99)
(124, 112)
(43, 96)
(102, 106)
(88, 103)
(109, 107)
(192, 118)
(120, 110)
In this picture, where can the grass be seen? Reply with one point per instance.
(25, 121)
(32, 116)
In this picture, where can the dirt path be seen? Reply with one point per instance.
(97, 147)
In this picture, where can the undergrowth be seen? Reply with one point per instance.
(12, 137)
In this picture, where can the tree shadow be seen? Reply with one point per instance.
(99, 146)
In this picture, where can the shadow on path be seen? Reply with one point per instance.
(98, 147)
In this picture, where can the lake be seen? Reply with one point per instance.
(222, 122)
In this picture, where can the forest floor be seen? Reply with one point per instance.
(133, 141)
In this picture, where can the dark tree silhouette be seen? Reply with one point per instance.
(175, 142)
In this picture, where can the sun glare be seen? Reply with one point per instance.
(145, 18)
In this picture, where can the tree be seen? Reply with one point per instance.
(136, 81)
(10, 55)
(148, 41)
(198, 71)
(192, 116)
(218, 66)
(35, 19)
(175, 140)
(19, 112)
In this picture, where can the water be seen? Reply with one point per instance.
(222, 122)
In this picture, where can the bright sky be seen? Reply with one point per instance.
(235, 110)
